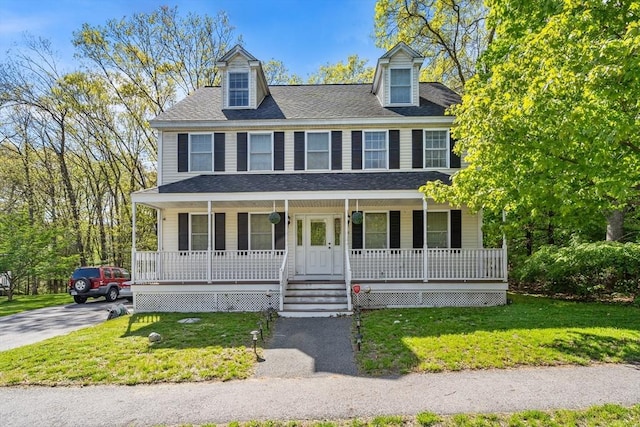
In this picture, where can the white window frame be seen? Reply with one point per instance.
(364, 228)
(364, 148)
(229, 90)
(306, 149)
(391, 87)
(448, 227)
(249, 166)
(211, 152)
(447, 148)
(191, 215)
(250, 232)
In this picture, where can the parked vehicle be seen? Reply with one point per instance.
(95, 282)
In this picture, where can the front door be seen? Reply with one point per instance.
(322, 246)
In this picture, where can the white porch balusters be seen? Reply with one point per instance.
(347, 261)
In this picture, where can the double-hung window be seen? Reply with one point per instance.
(375, 150)
(400, 84)
(201, 153)
(199, 232)
(260, 232)
(318, 151)
(260, 152)
(436, 149)
(239, 89)
(375, 230)
(437, 229)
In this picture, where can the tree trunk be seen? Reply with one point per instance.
(615, 222)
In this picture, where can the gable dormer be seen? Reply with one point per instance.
(244, 85)
(395, 82)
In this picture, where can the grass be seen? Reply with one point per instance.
(21, 303)
(533, 331)
(604, 415)
(118, 352)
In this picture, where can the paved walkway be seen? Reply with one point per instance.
(309, 373)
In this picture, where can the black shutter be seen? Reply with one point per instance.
(183, 152)
(356, 234)
(418, 229)
(298, 151)
(417, 149)
(220, 234)
(243, 231)
(218, 152)
(278, 151)
(336, 150)
(394, 229)
(394, 149)
(454, 159)
(242, 151)
(183, 231)
(456, 228)
(356, 149)
(278, 236)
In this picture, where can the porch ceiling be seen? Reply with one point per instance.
(338, 204)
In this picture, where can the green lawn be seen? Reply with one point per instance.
(22, 303)
(533, 331)
(118, 352)
(604, 415)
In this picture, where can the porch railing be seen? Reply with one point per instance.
(360, 264)
(441, 264)
(284, 279)
(192, 266)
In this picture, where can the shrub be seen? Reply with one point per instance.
(584, 269)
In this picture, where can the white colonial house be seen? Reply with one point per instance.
(287, 197)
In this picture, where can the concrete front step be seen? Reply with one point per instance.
(315, 300)
(312, 306)
(316, 313)
(316, 286)
(316, 293)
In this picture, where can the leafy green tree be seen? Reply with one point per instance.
(277, 74)
(354, 70)
(451, 34)
(550, 124)
(31, 249)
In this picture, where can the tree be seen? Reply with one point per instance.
(354, 70)
(550, 124)
(30, 249)
(451, 34)
(277, 74)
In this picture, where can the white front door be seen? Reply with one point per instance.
(322, 242)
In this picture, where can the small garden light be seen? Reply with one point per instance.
(254, 335)
(359, 340)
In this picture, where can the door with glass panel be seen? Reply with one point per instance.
(323, 245)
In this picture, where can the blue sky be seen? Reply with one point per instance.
(304, 34)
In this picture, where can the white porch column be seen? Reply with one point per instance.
(133, 242)
(209, 225)
(505, 271)
(159, 273)
(425, 246)
(286, 228)
(346, 262)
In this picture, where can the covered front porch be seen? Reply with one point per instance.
(318, 234)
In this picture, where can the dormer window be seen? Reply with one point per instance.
(400, 85)
(238, 89)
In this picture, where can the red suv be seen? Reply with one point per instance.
(97, 282)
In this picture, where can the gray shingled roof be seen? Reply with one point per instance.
(290, 182)
(309, 102)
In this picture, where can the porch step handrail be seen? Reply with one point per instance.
(284, 279)
(347, 277)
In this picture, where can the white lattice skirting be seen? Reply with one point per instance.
(194, 302)
(430, 299)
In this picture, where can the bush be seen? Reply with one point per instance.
(585, 269)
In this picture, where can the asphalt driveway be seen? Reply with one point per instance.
(36, 325)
